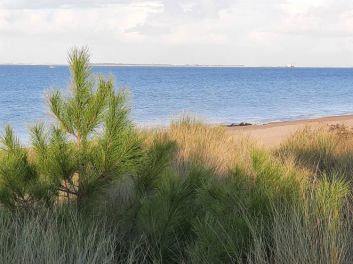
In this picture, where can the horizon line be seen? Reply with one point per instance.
(112, 64)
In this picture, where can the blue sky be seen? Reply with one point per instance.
(249, 32)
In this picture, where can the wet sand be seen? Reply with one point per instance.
(273, 134)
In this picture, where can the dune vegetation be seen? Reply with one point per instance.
(93, 188)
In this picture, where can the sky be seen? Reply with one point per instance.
(229, 32)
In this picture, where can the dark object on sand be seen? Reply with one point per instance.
(239, 124)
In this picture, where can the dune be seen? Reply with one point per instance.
(273, 134)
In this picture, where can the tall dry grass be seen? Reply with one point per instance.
(321, 150)
(319, 230)
(206, 146)
(53, 237)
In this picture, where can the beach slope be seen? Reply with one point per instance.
(273, 134)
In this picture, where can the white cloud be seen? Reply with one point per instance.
(252, 32)
(44, 4)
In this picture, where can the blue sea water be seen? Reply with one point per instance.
(215, 94)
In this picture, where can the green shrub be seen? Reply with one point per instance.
(161, 207)
(20, 183)
(234, 207)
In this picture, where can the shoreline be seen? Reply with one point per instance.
(272, 134)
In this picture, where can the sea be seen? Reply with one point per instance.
(158, 95)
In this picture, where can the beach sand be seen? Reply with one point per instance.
(273, 134)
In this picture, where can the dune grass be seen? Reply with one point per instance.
(322, 150)
(185, 204)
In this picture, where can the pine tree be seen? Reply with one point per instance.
(20, 185)
(91, 143)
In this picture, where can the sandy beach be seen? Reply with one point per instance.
(273, 134)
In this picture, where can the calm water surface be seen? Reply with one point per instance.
(223, 95)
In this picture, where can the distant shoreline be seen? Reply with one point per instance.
(136, 65)
(181, 66)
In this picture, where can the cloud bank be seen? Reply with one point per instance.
(249, 32)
